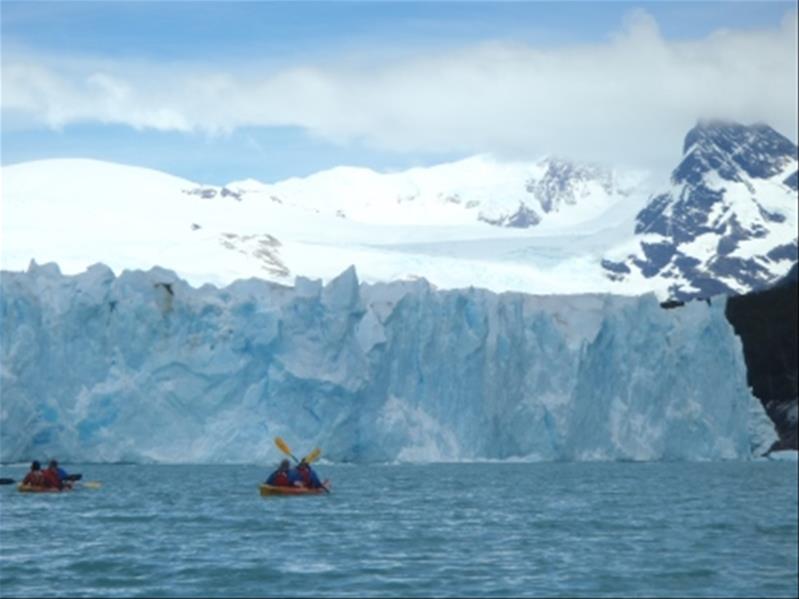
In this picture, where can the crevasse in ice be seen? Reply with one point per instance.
(144, 367)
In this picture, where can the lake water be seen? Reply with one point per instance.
(493, 530)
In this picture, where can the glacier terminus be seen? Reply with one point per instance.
(143, 367)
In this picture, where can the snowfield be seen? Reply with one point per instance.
(725, 222)
(80, 212)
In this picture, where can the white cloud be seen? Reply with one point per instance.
(629, 100)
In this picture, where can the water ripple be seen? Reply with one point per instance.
(488, 530)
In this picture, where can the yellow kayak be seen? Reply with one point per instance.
(36, 489)
(272, 491)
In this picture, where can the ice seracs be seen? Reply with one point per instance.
(145, 367)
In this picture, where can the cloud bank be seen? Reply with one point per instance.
(629, 100)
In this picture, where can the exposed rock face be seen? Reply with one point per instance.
(766, 321)
(728, 223)
(523, 218)
(209, 193)
(565, 183)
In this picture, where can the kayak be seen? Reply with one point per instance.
(272, 491)
(34, 489)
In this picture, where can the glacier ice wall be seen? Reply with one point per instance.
(143, 367)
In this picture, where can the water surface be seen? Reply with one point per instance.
(482, 530)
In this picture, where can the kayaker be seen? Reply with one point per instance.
(35, 477)
(51, 477)
(280, 477)
(306, 476)
(63, 477)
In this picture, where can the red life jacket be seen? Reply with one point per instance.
(34, 478)
(281, 480)
(52, 480)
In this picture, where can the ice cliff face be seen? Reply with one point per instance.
(144, 367)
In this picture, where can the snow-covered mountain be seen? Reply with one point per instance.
(474, 190)
(457, 225)
(729, 222)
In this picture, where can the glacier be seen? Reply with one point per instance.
(143, 367)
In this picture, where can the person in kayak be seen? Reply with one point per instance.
(35, 477)
(280, 477)
(63, 480)
(305, 476)
(52, 479)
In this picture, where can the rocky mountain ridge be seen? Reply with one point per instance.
(728, 223)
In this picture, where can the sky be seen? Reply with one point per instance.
(222, 91)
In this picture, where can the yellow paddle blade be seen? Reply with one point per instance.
(282, 445)
(92, 484)
(313, 456)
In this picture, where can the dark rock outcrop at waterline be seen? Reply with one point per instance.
(766, 322)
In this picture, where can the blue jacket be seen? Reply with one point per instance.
(313, 482)
(294, 476)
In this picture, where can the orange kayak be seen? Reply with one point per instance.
(34, 489)
(272, 491)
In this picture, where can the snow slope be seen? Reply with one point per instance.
(78, 212)
(728, 224)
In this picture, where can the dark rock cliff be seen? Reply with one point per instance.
(766, 321)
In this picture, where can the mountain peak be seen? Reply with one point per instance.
(727, 225)
(729, 147)
(721, 133)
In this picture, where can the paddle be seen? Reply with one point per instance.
(314, 455)
(311, 457)
(281, 444)
(88, 484)
(6, 481)
(91, 484)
